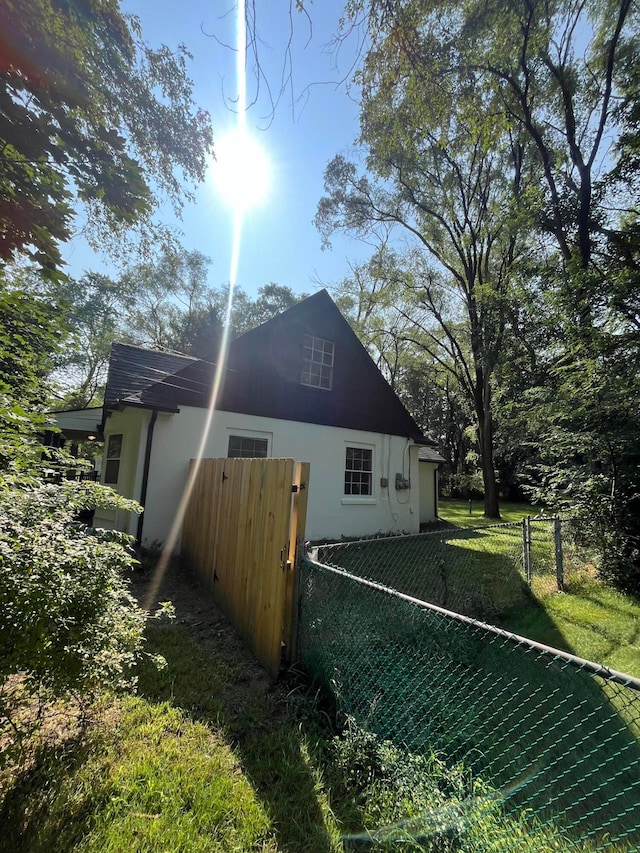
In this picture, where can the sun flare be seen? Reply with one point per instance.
(241, 170)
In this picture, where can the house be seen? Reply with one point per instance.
(301, 385)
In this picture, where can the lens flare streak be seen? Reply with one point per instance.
(238, 220)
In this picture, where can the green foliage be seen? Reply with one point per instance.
(69, 622)
(587, 423)
(520, 120)
(93, 116)
(166, 303)
(92, 307)
(30, 332)
(29, 335)
(272, 299)
(415, 802)
(455, 189)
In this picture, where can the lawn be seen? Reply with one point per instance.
(458, 512)
(476, 568)
(209, 757)
(588, 619)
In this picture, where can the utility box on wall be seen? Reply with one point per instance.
(402, 483)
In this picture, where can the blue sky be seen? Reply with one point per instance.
(280, 242)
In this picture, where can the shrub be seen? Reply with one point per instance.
(69, 623)
(613, 527)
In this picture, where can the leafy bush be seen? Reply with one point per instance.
(613, 528)
(69, 623)
(413, 802)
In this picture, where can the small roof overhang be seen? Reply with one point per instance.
(78, 424)
(429, 454)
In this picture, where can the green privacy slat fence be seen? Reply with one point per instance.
(557, 738)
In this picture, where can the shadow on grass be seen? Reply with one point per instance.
(272, 750)
(557, 741)
(30, 820)
(475, 572)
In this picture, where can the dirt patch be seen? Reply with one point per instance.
(197, 613)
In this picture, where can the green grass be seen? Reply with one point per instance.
(200, 760)
(193, 763)
(196, 762)
(560, 741)
(149, 779)
(473, 572)
(589, 619)
(456, 511)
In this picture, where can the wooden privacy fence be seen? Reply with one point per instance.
(241, 527)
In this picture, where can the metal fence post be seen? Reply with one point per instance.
(529, 550)
(526, 552)
(559, 556)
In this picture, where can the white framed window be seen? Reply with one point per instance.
(112, 460)
(358, 472)
(317, 363)
(247, 445)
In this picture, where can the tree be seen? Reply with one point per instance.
(90, 115)
(272, 299)
(558, 71)
(69, 623)
(381, 308)
(169, 304)
(166, 303)
(30, 334)
(456, 191)
(93, 307)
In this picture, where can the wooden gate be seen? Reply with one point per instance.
(241, 527)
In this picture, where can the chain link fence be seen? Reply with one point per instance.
(556, 739)
(478, 571)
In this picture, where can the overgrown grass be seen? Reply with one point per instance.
(193, 763)
(197, 762)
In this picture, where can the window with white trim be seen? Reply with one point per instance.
(247, 447)
(113, 457)
(358, 471)
(317, 362)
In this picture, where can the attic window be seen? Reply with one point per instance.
(317, 363)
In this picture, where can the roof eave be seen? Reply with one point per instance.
(119, 405)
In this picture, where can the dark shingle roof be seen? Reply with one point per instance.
(132, 369)
(263, 376)
(428, 454)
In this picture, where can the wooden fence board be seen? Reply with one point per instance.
(296, 544)
(238, 536)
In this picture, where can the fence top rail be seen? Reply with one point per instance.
(403, 537)
(533, 519)
(576, 662)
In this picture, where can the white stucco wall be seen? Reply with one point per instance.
(132, 425)
(428, 491)
(330, 514)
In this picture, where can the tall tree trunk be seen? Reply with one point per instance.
(485, 439)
